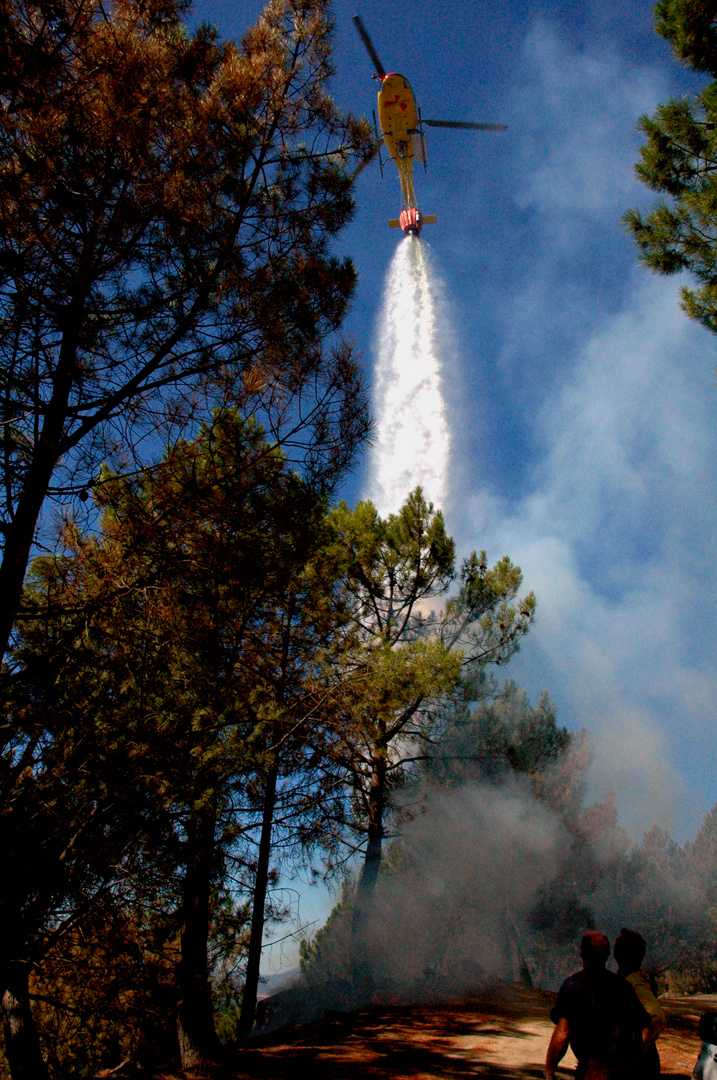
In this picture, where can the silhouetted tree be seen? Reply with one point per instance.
(195, 624)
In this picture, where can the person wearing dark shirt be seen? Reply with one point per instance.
(629, 951)
(599, 1015)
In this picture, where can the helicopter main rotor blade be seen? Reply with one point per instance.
(369, 47)
(465, 124)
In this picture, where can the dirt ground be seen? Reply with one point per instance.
(499, 1035)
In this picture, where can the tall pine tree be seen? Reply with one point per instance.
(166, 203)
(413, 649)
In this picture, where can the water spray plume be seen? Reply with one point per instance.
(412, 440)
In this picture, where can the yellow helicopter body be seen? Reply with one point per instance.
(400, 130)
(397, 116)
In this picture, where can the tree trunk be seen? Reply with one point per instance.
(251, 983)
(374, 844)
(22, 1045)
(362, 958)
(18, 544)
(198, 1043)
(518, 970)
(21, 533)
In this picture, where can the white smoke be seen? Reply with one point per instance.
(453, 900)
(472, 864)
(412, 440)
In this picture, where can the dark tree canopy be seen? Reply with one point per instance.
(497, 732)
(689, 26)
(168, 710)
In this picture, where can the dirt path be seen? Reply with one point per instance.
(498, 1035)
(679, 1045)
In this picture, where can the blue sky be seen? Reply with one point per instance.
(582, 401)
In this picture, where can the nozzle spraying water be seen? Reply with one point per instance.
(412, 440)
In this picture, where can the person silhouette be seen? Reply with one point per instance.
(598, 1014)
(629, 952)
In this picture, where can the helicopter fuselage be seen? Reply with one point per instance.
(400, 125)
(397, 116)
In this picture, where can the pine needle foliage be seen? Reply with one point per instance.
(166, 206)
(169, 708)
(679, 161)
(414, 651)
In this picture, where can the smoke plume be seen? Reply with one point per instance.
(473, 864)
(488, 883)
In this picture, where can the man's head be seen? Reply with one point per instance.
(629, 951)
(594, 949)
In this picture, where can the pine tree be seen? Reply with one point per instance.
(679, 160)
(188, 635)
(493, 732)
(409, 657)
(166, 202)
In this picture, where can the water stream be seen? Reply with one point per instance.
(411, 444)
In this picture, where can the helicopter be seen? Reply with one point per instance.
(401, 126)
